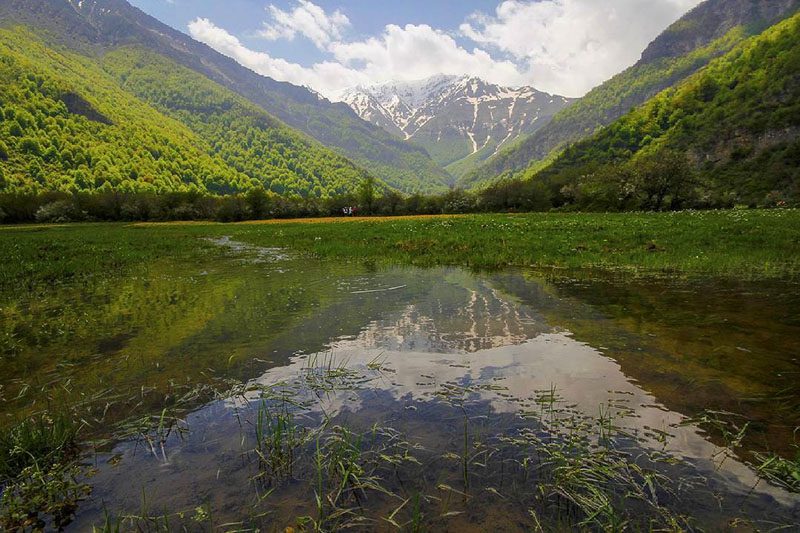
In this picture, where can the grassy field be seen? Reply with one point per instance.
(49, 334)
(740, 244)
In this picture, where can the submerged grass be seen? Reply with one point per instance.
(39, 485)
(781, 471)
(566, 470)
(551, 466)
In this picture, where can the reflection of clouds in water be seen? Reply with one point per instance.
(435, 331)
(460, 329)
(581, 374)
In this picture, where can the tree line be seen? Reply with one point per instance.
(665, 181)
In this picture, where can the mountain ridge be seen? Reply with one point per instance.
(727, 135)
(706, 32)
(93, 26)
(460, 120)
(68, 124)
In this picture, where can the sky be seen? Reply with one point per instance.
(563, 47)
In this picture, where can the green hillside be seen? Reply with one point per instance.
(239, 132)
(728, 134)
(67, 124)
(712, 29)
(99, 26)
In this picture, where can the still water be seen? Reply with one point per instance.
(270, 391)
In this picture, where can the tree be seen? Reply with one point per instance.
(258, 202)
(366, 194)
(661, 176)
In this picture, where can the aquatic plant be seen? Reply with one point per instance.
(40, 440)
(38, 473)
(782, 471)
(278, 438)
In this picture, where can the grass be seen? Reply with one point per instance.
(567, 469)
(39, 485)
(746, 244)
(40, 256)
(742, 244)
(781, 471)
(561, 468)
(278, 437)
(582, 478)
(40, 440)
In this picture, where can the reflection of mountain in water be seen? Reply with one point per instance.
(732, 350)
(443, 338)
(466, 317)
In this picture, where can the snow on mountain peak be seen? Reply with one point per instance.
(444, 111)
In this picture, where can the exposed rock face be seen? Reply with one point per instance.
(455, 117)
(713, 19)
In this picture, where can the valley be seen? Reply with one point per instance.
(312, 267)
(461, 120)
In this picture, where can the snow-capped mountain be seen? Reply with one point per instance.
(460, 120)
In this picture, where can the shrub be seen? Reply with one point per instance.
(59, 211)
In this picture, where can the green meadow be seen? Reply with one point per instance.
(120, 343)
(743, 244)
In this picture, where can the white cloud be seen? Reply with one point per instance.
(561, 46)
(408, 53)
(418, 51)
(570, 46)
(307, 19)
(322, 77)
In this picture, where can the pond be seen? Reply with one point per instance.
(272, 391)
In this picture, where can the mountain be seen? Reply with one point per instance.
(133, 120)
(460, 120)
(706, 32)
(729, 134)
(93, 27)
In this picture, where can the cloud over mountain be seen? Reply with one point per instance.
(561, 46)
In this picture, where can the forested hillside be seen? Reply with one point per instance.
(242, 134)
(66, 124)
(94, 26)
(705, 33)
(730, 134)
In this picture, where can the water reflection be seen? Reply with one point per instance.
(437, 335)
(644, 353)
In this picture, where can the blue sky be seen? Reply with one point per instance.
(244, 18)
(561, 46)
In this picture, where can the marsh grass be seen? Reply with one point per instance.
(555, 464)
(45, 461)
(736, 244)
(567, 468)
(154, 431)
(278, 438)
(39, 473)
(40, 440)
(781, 471)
